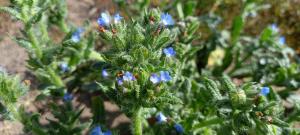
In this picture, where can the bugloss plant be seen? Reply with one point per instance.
(49, 60)
(11, 92)
(140, 63)
(221, 107)
(157, 69)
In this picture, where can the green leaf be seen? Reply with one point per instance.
(266, 34)
(237, 28)
(11, 11)
(189, 8)
(98, 110)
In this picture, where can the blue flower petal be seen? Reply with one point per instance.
(104, 73)
(281, 40)
(117, 18)
(274, 27)
(104, 20)
(119, 81)
(165, 76)
(128, 76)
(107, 133)
(154, 78)
(68, 97)
(161, 118)
(179, 128)
(96, 131)
(166, 19)
(169, 52)
(265, 91)
(76, 36)
(64, 67)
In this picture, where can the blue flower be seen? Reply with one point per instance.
(107, 133)
(281, 40)
(104, 20)
(104, 73)
(166, 19)
(154, 78)
(68, 97)
(274, 27)
(169, 52)
(117, 18)
(179, 128)
(98, 131)
(165, 76)
(128, 76)
(64, 67)
(161, 118)
(119, 81)
(265, 91)
(77, 35)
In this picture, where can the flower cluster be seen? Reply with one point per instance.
(163, 76)
(105, 19)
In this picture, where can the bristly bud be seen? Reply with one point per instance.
(238, 98)
(212, 88)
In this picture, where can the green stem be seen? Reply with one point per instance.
(63, 26)
(44, 29)
(137, 122)
(35, 44)
(55, 78)
(209, 122)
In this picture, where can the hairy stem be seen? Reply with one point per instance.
(137, 122)
(63, 26)
(34, 42)
(55, 78)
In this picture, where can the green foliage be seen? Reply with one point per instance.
(65, 121)
(11, 92)
(191, 84)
